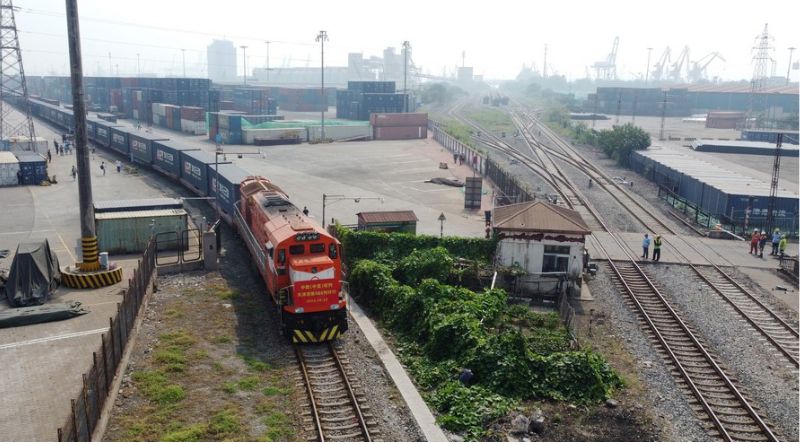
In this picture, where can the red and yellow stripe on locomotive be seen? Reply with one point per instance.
(299, 261)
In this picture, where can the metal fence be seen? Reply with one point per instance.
(87, 407)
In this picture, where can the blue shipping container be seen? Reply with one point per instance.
(228, 179)
(194, 169)
(33, 168)
(167, 159)
(142, 148)
(119, 140)
(103, 133)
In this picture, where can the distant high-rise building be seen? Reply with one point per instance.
(222, 61)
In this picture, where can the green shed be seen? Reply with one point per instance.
(123, 232)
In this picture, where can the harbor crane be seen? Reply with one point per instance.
(698, 70)
(676, 73)
(660, 67)
(607, 69)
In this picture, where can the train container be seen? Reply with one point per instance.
(398, 119)
(176, 118)
(142, 147)
(33, 168)
(103, 133)
(770, 136)
(400, 132)
(120, 139)
(194, 169)
(166, 157)
(91, 129)
(223, 186)
(9, 169)
(124, 232)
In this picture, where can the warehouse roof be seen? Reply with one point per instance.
(742, 143)
(736, 88)
(729, 182)
(539, 216)
(139, 214)
(372, 217)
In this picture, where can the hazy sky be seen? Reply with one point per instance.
(498, 36)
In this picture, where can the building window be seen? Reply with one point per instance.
(556, 258)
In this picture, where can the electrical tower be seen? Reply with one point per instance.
(13, 90)
(773, 189)
(760, 61)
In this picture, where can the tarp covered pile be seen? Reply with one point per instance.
(33, 276)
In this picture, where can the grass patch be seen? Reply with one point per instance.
(229, 387)
(173, 314)
(156, 388)
(277, 427)
(193, 433)
(179, 338)
(224, 424)
(273, 391)
(228, 294)
(255, 364)
(250, 383)
(222, 339)
(172, 357)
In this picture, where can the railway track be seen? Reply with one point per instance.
(726, 410)
(336, 414)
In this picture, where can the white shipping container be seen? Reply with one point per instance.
(249, 135)
(20, 143)
(196, 127)
(340, 132)
(9, 167)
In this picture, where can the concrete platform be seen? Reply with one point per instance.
(42, 364)
(681, 249)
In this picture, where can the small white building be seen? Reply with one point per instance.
(545, 240)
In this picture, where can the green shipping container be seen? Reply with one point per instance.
(127, 232)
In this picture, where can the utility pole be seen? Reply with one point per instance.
(322, 37)
(110, 66)
(619, 106)
(268, 42)
(244, 60)
(138, 66)
(635, 100)
(183, 56)
(406, 48)
(759, 81)
(663, 116)
(88, 238)
(773, 189)
(789, 68)
(544, 64)
(594, 114)
(647, 71)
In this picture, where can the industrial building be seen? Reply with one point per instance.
(221, 61)
(730, 198)
(743, 147)
(687, 99)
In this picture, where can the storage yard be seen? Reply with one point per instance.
(229, 247)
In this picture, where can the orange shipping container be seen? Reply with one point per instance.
(398, 119)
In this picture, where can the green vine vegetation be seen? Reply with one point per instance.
(515, 354)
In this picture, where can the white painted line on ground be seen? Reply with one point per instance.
(53, 338)
(17, 233)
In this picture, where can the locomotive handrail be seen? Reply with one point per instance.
(249, 239)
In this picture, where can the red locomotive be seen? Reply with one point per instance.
(299, 261)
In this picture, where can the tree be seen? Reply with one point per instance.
(439, 93)
(619, 142)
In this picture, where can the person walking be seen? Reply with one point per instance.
(762, 242)
(455, 159)
(49, 156)
(74, 173)
(782, 245)
(103, 167)
(19, 177)
(776, 239)
(305, 210)
(754, 238)
(646, 246)
(119, 167)
(657, 248)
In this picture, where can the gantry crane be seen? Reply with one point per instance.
(607, 69)
(676, 73)
(698, 69)
(660, 67)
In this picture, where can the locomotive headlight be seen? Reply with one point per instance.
(299, 310)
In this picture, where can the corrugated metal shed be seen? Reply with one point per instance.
(162, 203)
(728, 182)
(539, 216)
(372, 217)
(139, 214)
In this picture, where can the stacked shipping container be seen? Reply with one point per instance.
(364, 98)
(399, 126)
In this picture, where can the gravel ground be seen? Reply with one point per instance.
(663, 395)
(764, 376)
